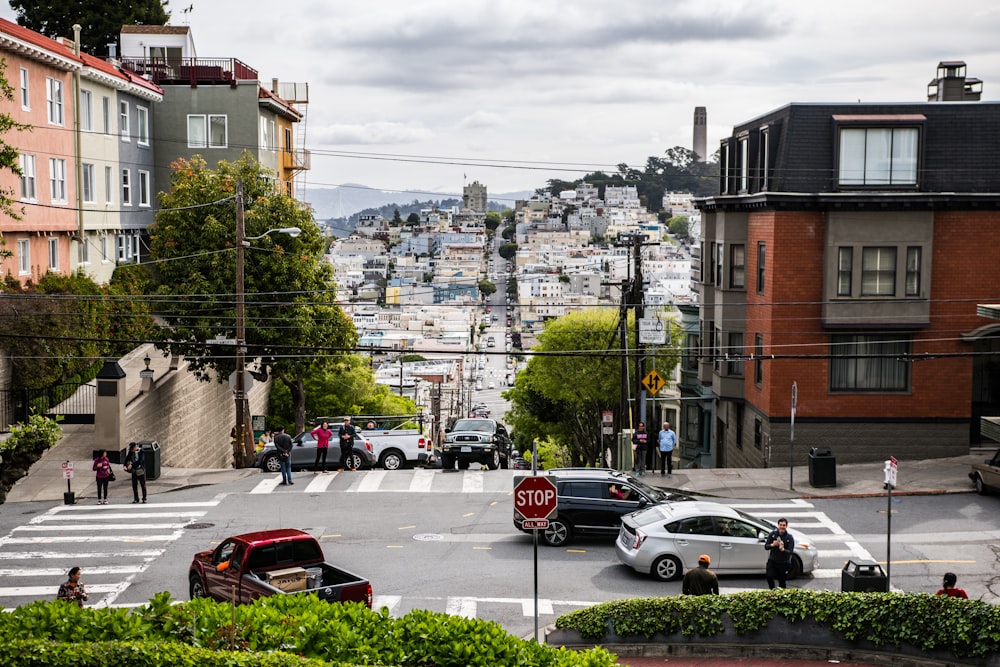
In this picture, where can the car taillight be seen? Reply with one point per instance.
(640, 537)
(369, 596)
(421, 444)
(368, 446)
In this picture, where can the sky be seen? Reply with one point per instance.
(425, 95)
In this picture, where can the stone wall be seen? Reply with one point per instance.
(190, 419)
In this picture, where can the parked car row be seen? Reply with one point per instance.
(662, 533)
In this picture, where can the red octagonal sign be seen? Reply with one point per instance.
(535, 498)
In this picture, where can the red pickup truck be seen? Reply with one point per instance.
(272, 562)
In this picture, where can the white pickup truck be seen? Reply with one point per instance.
(397, 440)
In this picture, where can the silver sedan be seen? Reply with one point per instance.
(665, 541)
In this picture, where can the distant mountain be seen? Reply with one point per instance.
(345, 201)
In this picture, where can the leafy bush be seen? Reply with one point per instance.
(43, 653)
(284, 624)
(33, 437)
(966, 628)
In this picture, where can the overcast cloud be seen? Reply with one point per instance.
(575, 84)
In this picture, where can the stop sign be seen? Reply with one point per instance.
(535, 498)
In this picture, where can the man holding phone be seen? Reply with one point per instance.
(780, 544)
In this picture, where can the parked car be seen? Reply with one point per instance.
(284, 561)
(482, 441)
(665, 541)
(986, 475)
(587, 504)
(304, 454)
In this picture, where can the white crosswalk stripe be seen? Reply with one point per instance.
(112, 543)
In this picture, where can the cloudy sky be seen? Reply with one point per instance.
(514, 92)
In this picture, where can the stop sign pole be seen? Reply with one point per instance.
(535, 500)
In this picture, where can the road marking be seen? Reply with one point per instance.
(472, 481)
(320, 482)
(50, 591)
(406, 527)
(79, 539)
(795, 503)
(61, 571)
(390, 602)
(267, 485)
(422, 480)
(125, 506)
(32, 555)
(464, 607)
(108, 517)
(102, 526)
(482, 548)
(371, 481)
(468, 514)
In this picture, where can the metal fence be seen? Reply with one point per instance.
(75, 402)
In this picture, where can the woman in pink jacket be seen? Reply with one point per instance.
(102, 466)
(322, 435)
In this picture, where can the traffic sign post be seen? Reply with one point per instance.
(653, 382)
(67, 470)
(891, 468)
(536, 501)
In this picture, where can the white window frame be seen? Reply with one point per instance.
(126, 187)
(53, 253)
(744, 159)
(879, 265)
(24, 257)
(54, 100)
(86, 110)
(85, 250)
(123, 247)
(197, 122)
(109, 183)
(57, 180)
(142, 125)
(212, 119)
(29, 191)
(106, 105)
(25, 89)
(104, 248)
(144, 188)
(878, 156)
(87, 182)
(123, 121)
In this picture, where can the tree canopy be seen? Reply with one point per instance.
(493, 220)
(507, 250)
(486, 288)
(102, 20)
(290, 301)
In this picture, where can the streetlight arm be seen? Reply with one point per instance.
(291, 231)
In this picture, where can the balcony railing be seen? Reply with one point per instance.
(298, 159)
(191, 71)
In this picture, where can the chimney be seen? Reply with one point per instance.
(112, 50)
(952, 85)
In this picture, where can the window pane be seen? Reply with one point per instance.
(904, 156)
(878, 150)
(852, 156)
(737, 275)
(878, 271)
(845, 265)
(86, 111)
(217, 132)
(913, 256)
(868, 363)
(87, 174)
(197, 132)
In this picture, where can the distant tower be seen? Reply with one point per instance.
(951, 84)
(474, 197)
(700, 128)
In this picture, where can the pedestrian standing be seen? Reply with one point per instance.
(345, 435)
(640, 439)
(668, 440)
(102, 468)
(780, 544)
(72, 590)
(266, 438)
(283, 443)
(700, 580)
(950, 587)
(135, 463)
(321, 434)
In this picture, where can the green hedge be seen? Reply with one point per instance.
(45, 653)
(965, 628)
(291, 624)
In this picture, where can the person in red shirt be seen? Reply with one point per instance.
(322, 434)
(949, 587)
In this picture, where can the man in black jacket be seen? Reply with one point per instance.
(780, 544)
(345, 434)
(700, 580)
(135, 463)
(283, 443)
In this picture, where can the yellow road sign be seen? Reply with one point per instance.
(653, 382)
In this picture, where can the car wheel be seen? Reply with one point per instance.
(666, 568)
(196, 588)
(980, 487)
(463, 465)
(392, 460)
(356, 462)
(494, 462)
(447, 462)
(795, 567)
(558, 533)
(271, 463)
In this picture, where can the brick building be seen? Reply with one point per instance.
(845, 252)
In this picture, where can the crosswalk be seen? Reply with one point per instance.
(112, 544)
(115, 544)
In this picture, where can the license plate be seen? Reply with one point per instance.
(626, 539)
(466, 450)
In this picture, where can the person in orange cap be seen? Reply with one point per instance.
(700, 580)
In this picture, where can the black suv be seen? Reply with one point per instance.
(592, 501)
(482, 441)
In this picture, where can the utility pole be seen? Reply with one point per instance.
(243, 442)
(637, 304)
(623, 419)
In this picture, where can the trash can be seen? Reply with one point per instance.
(151, 451)
(863, 576)
(822, 467)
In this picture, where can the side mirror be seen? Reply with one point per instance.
(643, 502)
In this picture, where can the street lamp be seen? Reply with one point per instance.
(243, 449)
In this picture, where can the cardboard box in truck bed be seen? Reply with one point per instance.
(289, 580)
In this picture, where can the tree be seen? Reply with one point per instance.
(507, 250)
(486, 288)
(562, 396)
(508, 232)
(679, 226)
(396, 221)
(102, 20)
(291, 311)
(412, 219)
(9, 156)
(493, 221)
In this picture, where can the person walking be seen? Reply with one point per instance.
(668, 440)
(640, 439)
(950, 588)
(700, 580)
(72, 590)
(102, 466)
(322, 435)
(135, 463)
(283, 443)
(780, 544)
(345, 434)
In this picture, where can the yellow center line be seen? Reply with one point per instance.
(406, 527)
(323, 537)
(576, 551)
(468, 514)
(394, 546)
(482, 548)
(493, 503)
